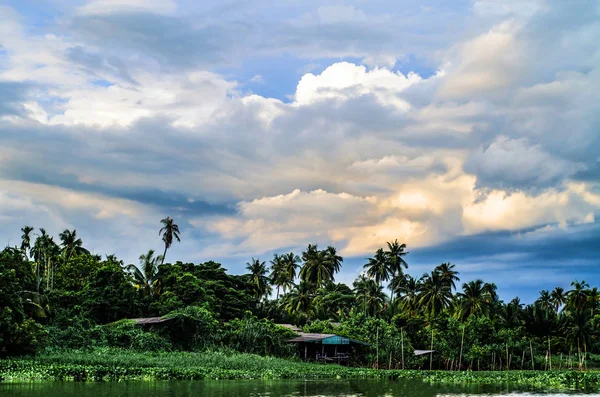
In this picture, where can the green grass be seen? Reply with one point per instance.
(118, 365)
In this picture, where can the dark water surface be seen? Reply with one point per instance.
(354, 388)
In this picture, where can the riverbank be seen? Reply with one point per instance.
(120, 365)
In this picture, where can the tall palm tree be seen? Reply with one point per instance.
(545, 302)
(408, 295)
(396, 263)
(26, 239)
(448, 274)
(258, 277)
(169, 231)
(558, 298)
(578, 296)
(316, 270)
(434, 294)
(593, 299)
(291, 263)
(71, 244)
(277, 272)
(370, 294)
(333, 260)
(378, 267)
(299, 301)
(45, 253)
(474, 300)
(144, 275)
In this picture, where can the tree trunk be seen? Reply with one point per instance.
(522, 360)
(431, 353)
(531, 349)
(462, 341)
(377, 347)
(549, 354)
(402, 341)
(164, 256)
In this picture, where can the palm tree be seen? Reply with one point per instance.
(334, 300)
(558, 298)
(299, 300)
(378, 267)
(397, 264)
(44, 252)
(578, 296)
(291, 263)
(593, 299)
(434, 294)
(449, 275)
(370, 294)
(277, 272)
(169, 231)
(474, 300)
(334, 261)
(545, 302)
(258, 277)
(408, 295)
(71, 245)
(317, 270)
(144, 276)
(26, 239)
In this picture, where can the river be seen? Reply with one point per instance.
(341, 388)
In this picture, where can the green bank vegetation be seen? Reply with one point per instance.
(56, 297)
(120, 365)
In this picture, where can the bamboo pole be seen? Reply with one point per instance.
(532, 361)
(549, 354)
(377, 347)
(462, 340)
(431, 353)
(402, 341)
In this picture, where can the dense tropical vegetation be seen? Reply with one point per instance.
(56, 296)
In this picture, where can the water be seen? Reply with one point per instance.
(342, 388)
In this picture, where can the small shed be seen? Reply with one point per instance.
(326, 347)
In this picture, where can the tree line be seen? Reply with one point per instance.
(53, 292)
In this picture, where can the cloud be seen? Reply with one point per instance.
(123, 112)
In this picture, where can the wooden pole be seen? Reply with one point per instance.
(377, 347)
(531, 349)
(402, 341)
(462, 341)
(549, 354)
(431, 353)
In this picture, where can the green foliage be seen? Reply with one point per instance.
(19, 333)
(251, 335)
(191, 328)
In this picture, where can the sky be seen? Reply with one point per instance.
(467, 129)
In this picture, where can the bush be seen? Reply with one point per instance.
(250, 335)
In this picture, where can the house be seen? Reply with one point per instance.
(326, 347)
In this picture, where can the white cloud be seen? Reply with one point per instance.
(100, 7)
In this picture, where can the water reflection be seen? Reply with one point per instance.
(341, 388)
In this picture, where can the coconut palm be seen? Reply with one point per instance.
(448, 274)
(45, 253)
(558, 298)
(277, 272)
(291, 263)
(258, 277)
(378, 267)
(316, 270)
(26, 239)
(71, 244)
(545, 302)
(593, 299)
(334, 300)
(169, 231)
(299, 300)
(408, 295)
(144, 275)
(578, 296)
(370, 294)
(474, 300)
(395, 254)
(434, 294)
(333, 260)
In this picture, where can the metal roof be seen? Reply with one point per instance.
(150, 320)
(421, 352)
(326, 339)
